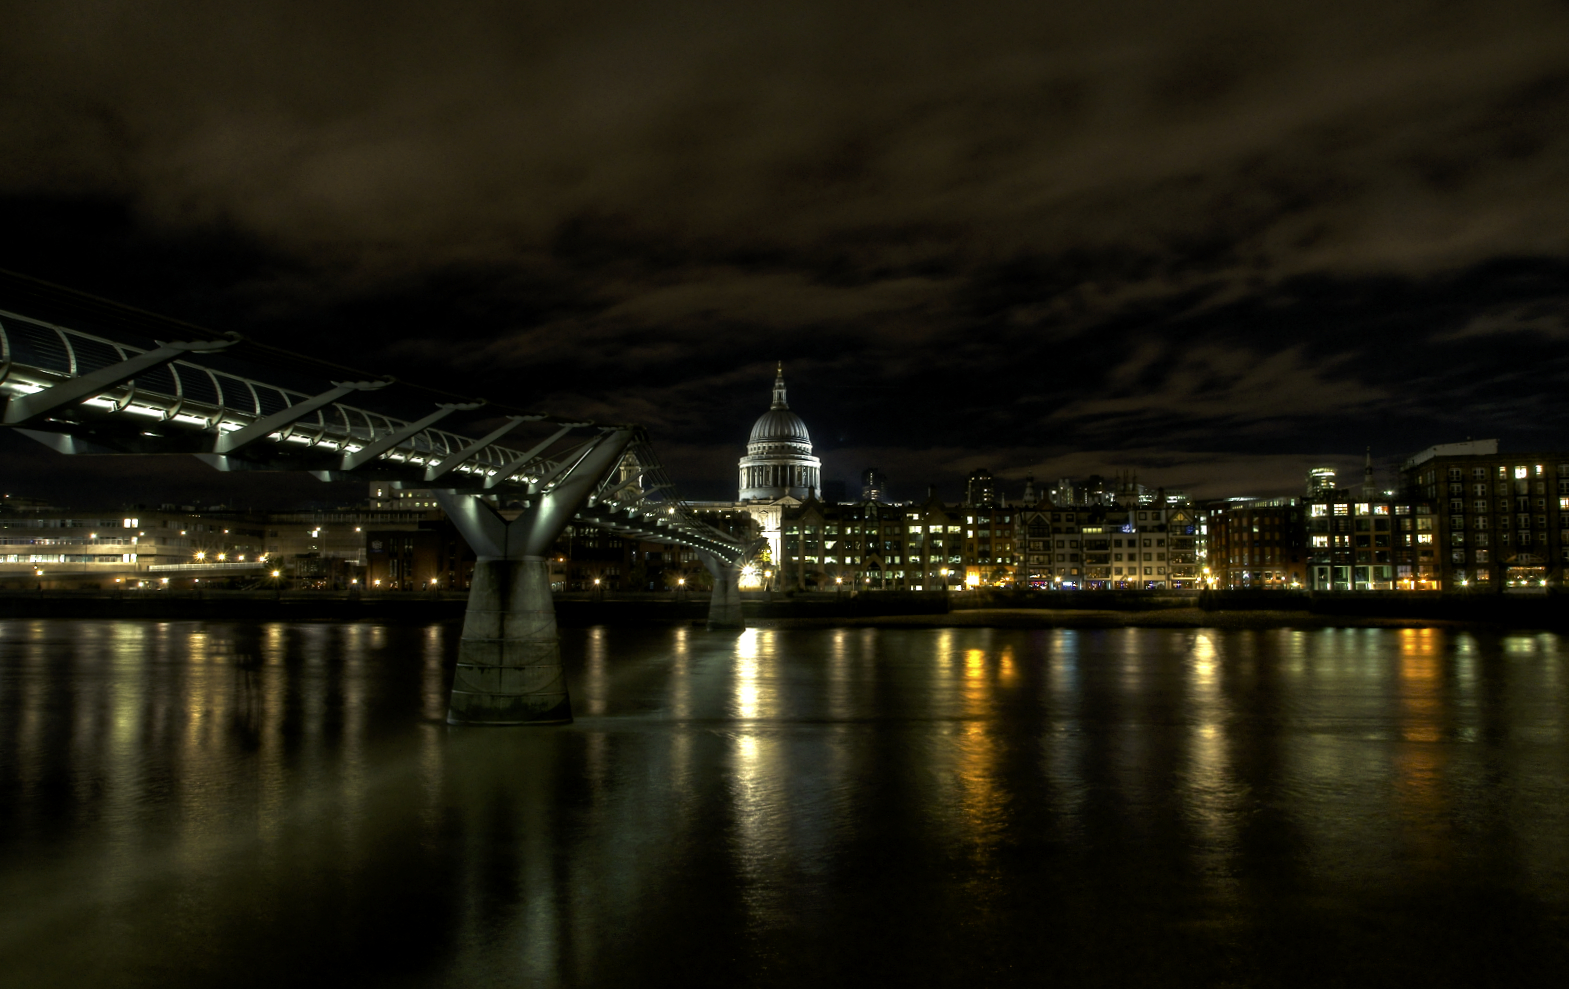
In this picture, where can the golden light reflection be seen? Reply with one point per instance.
(762, 815)
(681, 674)
(1420, 764)
(1419, 685)
(594, 686)
(982, 801)
(944, 652)
(839, 675)
(1211, 793)
(755, 691)
(1062, 664)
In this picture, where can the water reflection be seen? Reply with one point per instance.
(228, 802)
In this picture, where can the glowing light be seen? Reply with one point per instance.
(277, 573)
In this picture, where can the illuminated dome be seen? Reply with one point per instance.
(780, 425)
(779, 461)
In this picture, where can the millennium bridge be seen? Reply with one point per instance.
(121, 381)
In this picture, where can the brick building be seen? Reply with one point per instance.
(1499, 520)
(1257, 543)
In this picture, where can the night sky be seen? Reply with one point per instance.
(1214, 243)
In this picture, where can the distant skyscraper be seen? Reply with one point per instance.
(980, 489)
(1320, 480)
(874, 485)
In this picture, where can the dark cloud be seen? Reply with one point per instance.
(1178, 236)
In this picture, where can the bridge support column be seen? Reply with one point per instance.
(509, 659)
(724, 607)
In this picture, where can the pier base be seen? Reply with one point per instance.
(509, 659)
(724, 607)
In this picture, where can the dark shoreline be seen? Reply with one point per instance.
(875, 610)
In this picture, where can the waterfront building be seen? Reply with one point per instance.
(896, 547)
(1498, 521)
(1185, 540)
(1257, 543)
(59, 548)
(1377, 544)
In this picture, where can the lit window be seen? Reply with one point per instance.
(1320, 510)
(1342, 509)
(1363, 508)
(1520, 472)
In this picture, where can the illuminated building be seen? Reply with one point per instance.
(1498, 521)
(980, 489)
(1258, 543)
(1100, 547)
(779, 462)
(874, 485)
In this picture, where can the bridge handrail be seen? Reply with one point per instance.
(425, 447)
(337, 432)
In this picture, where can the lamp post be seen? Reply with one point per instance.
(945, 584)
(838, 588)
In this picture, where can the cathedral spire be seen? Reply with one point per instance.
(779, 390)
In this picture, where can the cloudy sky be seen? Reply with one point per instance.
(1212, 242)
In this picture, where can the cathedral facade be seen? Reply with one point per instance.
(777, 472)
(779, 462)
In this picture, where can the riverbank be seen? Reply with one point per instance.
(872, 609)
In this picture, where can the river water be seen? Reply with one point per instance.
(192, 803)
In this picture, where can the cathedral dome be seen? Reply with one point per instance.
(779, 462)
(780, 426)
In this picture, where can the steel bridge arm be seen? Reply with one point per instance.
(507, 470)
(375, 449)
(451, 463)
(22, 408)
(236, 440)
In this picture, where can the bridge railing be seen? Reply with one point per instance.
(35, 354)
(195, 397)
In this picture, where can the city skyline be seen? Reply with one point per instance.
(1208, 245)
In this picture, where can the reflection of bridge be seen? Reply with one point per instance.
(144, 385)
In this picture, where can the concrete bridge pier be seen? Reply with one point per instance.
(724, 607)
(509, 659)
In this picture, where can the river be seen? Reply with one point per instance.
(238, 804)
